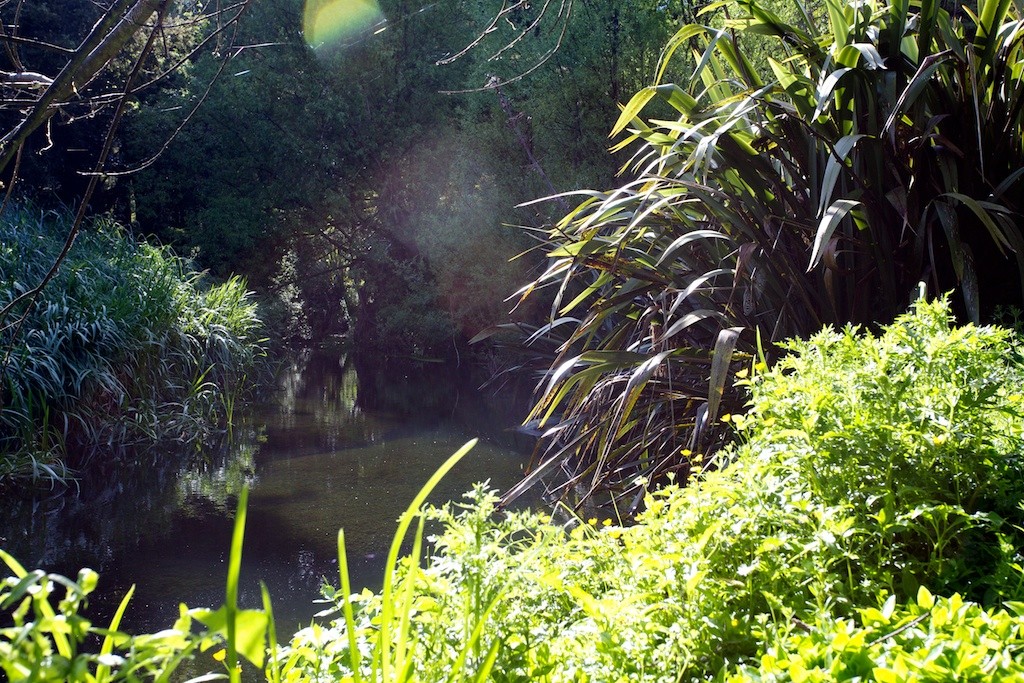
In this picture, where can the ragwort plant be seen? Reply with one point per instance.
(918, 431)
(944, 639)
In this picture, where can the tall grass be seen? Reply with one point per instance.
(126, 345)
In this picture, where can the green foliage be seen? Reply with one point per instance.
(125, 345)
(885, 150)
(387, 179)
(917, 432)
(383, 638)
(47, 644)
(944, 639)
(41, 642)
(761, 567)
(800, 559)
(51, 41)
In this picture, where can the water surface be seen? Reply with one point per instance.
(331, 448)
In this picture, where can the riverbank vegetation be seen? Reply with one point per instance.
(879, 146)
(126, 345)
(866, 525)
(816, 501)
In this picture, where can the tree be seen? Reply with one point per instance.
(387, 173)
(75, 64)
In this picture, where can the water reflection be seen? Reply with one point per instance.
(335, 447)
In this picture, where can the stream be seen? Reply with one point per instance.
(330, 448)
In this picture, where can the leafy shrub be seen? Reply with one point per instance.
(870, 467)
(125, 345)
(43, 643)
(917, 431)
(943, 639)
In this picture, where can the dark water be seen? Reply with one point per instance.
(332, 448)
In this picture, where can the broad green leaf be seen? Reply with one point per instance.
(679, 99)
(689, 238)
(250, 629)
(827, 89)
(725, 346)
(981, 209)
(107, 646)
(682, 37)
(637, 380)
(925, 600)
(920, 80)
(836, 163)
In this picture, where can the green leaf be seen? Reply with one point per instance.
(925, 600)
(836, 163)
(725, 346)
(981, 209)
(632, 109)
(828, 224)
(250, 629)
(102, 670)
(682, 37)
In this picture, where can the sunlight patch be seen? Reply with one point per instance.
(339, 23)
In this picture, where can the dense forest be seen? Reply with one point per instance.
(777, 328)
(365, 181)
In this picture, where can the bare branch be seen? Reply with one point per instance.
(18, 40)
(103, 43)
(493, 26)
(495, 82)
(202, 44)
(30, 295)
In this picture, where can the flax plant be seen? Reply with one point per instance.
(881, 147)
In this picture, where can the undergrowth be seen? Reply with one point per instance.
(867, 525)
(871, 471)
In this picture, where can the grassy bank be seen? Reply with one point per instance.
(127, 345)
(868, 525)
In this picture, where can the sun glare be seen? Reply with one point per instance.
(337, 23)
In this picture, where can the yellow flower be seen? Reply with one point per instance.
(592, 521)
(607, 522)
(219, 655)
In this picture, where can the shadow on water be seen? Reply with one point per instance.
(332, 448)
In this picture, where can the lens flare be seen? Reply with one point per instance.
(335, 23)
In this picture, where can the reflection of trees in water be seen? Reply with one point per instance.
(317, 407)
(219, 482)
(428, 393)
(352, 441)
(115, 506)
(307, 378)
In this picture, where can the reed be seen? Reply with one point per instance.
(127, 345)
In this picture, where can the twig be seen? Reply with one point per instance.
(910, 624)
